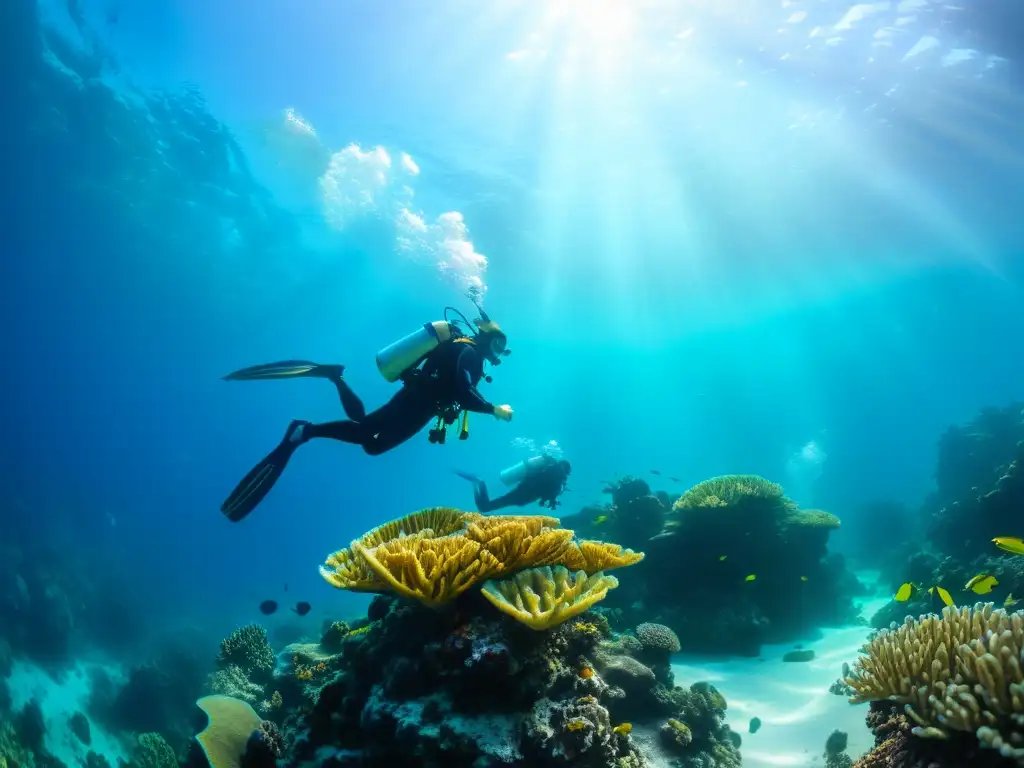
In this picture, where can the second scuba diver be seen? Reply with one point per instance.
(439, 366)
(541, 479)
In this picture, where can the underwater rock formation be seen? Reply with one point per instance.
(980, 483)
(946, 690)
(470, 686)
(739, 564)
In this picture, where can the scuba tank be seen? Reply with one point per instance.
(397, 358)
(517, 472)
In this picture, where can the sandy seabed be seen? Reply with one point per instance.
(792, 700)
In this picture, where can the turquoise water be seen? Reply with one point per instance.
(774, 239)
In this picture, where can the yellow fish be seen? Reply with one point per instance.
(982, 583)
(1011, 544)
(944, 596)
(722, 558)
(751, 577)
(1009, 602)
(600, 519)
(905, 592)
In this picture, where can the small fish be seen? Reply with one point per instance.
(655, 472)
(721, 558)
(751, 577)
(1009, 602)
(803, 578)
(981, 584)
(755, 725)
(943, 595)
(302, 608)
(268, 607)
(674, 479)
(905, 592)
(600, 519)
(1011, 544)
(285, 587)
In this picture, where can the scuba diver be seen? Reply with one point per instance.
(541, 479)
(439, 366)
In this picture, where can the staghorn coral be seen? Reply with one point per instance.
(544, 597)
(958, 672)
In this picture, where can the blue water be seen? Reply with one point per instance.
(714, 238)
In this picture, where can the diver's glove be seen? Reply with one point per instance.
(503, 412)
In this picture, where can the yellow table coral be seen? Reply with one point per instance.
(437, 554)
(543, 597)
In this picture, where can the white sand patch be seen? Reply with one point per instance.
(792, 699)
(59, 701)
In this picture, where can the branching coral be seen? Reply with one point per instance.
(249, 649)
(436, 565)
(152, 751)
(960, 671)
(543, 597)
(232, 681)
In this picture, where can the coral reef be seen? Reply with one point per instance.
(416, 687)
(720, 533)
(482, 648)
(151, 750)
(959, 678)
(248, 649)
(953, 574)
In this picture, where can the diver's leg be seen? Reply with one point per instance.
(350, 402)
(261, 478)
(398, 421)
(480, 497)
(385, 428)
(519, 496)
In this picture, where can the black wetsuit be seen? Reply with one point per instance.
(444, 384)
(446, 381)
(543, 485)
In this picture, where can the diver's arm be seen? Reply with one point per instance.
(469, 396)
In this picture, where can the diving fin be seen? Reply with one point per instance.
(287, 369)
(261, 478)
